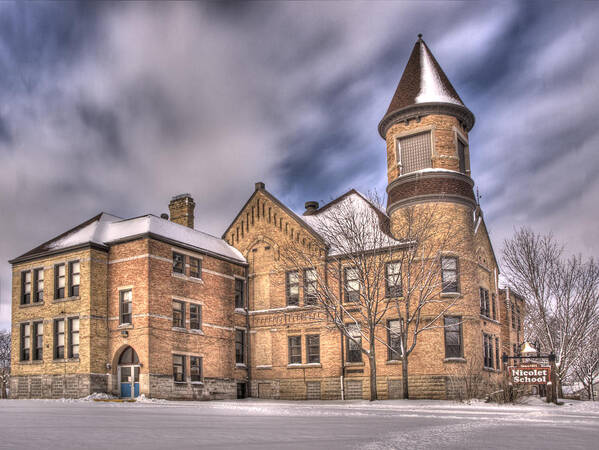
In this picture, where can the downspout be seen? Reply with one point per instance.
(247, 325)
(341, 333)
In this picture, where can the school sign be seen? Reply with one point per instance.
(530, 375)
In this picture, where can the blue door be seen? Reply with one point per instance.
(126, 382)
(126, 390)
(135, 390)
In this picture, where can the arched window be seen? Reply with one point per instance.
(128, 357)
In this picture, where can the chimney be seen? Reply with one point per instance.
(260, 186)
(181, 209)
(311, 208)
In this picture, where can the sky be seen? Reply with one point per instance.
(117, 107)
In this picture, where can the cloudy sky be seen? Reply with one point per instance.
(117, 107)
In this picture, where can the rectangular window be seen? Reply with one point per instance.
(178, 263)
(354, 346)
(295, 349)
(462, 156)
(414, 152)
(239, 297)
(25, 341)
(38, 341)
(178, 314)
(59, 280)
(126, 306)
(312, 348)
(195, 369)
(58, 338)
(484, 302)
(453, 337)
(488, 351)
(497, 354)
(352, 284)
(239, 346)
(393, 279)
(74, 278)
(38, 280)
(292, 288)
(26, 287)
(179, 368)
(518, 323)
(195, 267)
(195, 316)
(494, 307)
(310, 287)
(449, 274)
(74, 338)
(394, 340)
(513, 316)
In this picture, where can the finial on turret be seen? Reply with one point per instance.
(419, 36)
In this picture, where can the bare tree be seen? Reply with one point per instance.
(585, 367)
(4, 361)
(362, 273)
(562, 294)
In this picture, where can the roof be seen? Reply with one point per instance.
(423, 81)
(105, 229)
(325, 219)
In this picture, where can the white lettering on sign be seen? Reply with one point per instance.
(530, 375)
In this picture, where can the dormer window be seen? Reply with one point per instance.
(414, 152)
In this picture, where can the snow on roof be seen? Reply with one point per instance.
(106, 229)
(432, 88)
(326, 220)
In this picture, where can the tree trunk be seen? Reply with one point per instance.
(560, 390)
(404, 377)
(372, 360)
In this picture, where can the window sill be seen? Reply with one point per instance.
(240, 366)
(482, 316)
(29, 305)
(182, 276)
(125, 326)
(264, 367)
(392, 362)
(450, 294)
(240, 311)
(180, 383)
(33, 362)
(67, 299)
(304, 366)
(455, 360)
(354, 364)
(197, 383)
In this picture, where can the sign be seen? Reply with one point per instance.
(530, 375)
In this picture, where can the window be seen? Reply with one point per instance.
(513, 315)
(38, 341)
(25, 341)
(239, 298)
(393, 279)
(394, 340)
(488, 351)
(449, 273)
(126, 306)
(414, 152)
(178, 314)
(74, 338)
(240, 346)
(292, 288)
(179, 368)
(195, 316)
(494, 307)
(462, 155)
(497, 353)
(453, 337)
(195, 369)
(310, 286)
(195, 267)
(178, 263)
(59, 282)
(26, 287)
(38, 280)
(295, 349)
(484, 302)
(352, 284)
(313, 348)
(58, 338)
(515, 350)
(518, 323)
(354, 346)
(74, 278)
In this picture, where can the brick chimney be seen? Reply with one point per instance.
(311, 208)
(181, 209)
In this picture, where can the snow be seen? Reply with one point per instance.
(431, 86)
(109, 229)
(270, 424)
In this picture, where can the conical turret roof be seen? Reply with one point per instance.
(423, 82)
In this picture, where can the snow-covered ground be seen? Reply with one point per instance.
(264, 424)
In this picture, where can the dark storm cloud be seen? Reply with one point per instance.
(116, 107)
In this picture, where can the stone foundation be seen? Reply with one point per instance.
(56, 386)
(163, 386)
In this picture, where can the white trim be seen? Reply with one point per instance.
(131, 258)
(218, 274)
(176, 352)
(124, 288)
(187, 299)
(218, 326)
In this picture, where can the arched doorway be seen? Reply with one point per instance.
(129, 373)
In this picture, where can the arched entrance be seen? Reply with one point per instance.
(129, 373)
